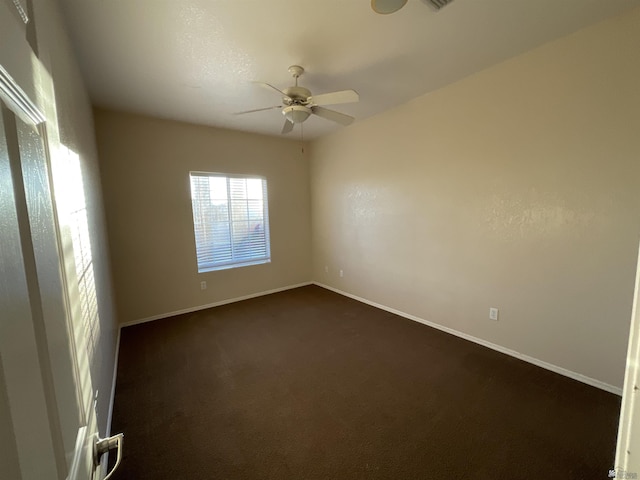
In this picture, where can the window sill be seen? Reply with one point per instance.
(233, 265)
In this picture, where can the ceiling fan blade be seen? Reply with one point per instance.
(258, 110)
(332, 115)
(333, 98)
(287, 127)
(274, 88)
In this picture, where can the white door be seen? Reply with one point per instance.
(46, 413)
(48, 311)
(628, 451)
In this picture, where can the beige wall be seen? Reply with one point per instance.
(516, 188)
(146, 164)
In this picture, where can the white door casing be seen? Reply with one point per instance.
(627, 464)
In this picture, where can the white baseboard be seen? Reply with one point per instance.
(540, 363)
(214, 304)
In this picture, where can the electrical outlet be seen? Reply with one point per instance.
(341, 274)
(326, 269)
(493, 314)
(203, 285)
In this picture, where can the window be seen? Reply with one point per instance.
(231, 220)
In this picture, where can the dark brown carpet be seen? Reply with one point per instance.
(309, 384)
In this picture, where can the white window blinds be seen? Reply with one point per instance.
(231, 220)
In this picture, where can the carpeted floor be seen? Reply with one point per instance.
(309, 384)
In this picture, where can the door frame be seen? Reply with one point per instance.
(627, 462)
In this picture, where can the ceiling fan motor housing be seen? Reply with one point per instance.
(297, 95)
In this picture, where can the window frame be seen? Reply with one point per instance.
(234, 262)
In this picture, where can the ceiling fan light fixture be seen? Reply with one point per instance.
(296, 113)
(385, 7)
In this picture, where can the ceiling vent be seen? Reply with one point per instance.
(438, 4)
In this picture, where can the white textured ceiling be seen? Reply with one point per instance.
(194, 60)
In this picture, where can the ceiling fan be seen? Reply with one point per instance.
(298, 103)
